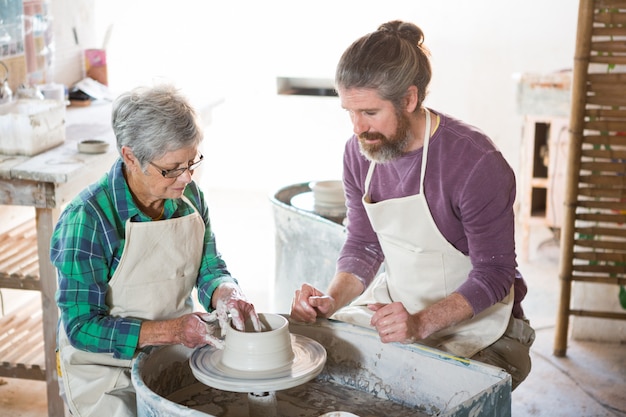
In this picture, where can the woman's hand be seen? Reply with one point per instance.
(228, 298)
(191, 330)
(197, 329)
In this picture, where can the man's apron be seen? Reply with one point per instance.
(153, 281)
(421, 268)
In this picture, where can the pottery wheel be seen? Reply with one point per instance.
(309, 360)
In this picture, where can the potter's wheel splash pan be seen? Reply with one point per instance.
(308, 362)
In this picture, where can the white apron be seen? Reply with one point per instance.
(153, 281)
(421, 268)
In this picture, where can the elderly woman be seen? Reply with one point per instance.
(130, 249)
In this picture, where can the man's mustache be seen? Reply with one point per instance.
(372, 136)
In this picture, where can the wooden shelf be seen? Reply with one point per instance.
(542, 175)
(21, 333)
(539, 182)
(19, 262)
(21, 343)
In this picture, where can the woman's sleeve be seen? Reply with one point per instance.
(83, 260)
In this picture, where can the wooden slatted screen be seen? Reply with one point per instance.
(593, 240)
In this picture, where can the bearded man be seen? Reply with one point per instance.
(430, 198)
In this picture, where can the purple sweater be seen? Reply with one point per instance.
(470, 190)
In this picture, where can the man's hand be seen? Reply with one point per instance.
(310, 303)
(394, 323)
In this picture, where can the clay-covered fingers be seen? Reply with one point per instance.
(230, 303)
(242, 311)
(193, 331)
(212, 327)
(309, 303)
(323, 304)
(213, 340)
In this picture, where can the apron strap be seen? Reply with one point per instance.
(425, 150)
(368, 179)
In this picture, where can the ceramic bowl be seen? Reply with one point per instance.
(92, 146)
(252, 351)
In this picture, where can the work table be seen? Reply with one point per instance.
(63, 163)
(47, 182)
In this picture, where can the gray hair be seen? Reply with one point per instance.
(153, 121)
(389, 60)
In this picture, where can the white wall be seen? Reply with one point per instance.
(69, 16)
(232, 51)
(235, 49)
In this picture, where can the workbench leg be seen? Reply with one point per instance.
(46, 219)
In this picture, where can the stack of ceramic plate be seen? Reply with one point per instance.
(329, 199)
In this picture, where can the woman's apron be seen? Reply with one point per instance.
(153, 281)
(421, 268)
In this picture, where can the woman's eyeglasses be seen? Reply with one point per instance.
(173, 173)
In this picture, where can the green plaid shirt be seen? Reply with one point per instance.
(86, 247)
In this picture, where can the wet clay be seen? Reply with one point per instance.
(308, 400)
(177, 384)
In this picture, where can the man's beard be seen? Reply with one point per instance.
(389, 148)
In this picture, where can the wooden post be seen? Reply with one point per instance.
(579, 94)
